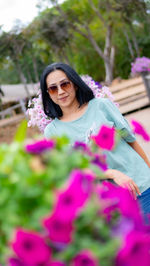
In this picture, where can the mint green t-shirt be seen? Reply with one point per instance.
(123, 158)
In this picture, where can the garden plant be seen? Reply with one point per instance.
(56, 208)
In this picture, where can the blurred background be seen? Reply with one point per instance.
(100, 38)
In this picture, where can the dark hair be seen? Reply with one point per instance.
(84, 94)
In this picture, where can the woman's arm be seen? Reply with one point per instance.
(135, 145)
(123, 180)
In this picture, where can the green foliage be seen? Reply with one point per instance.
(27, 184)
(52, 36)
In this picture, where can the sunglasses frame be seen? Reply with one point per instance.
(55, 87)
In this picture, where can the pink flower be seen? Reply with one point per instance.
(59, 231)
(69, 202)
(83, 146)
(85, 258)
(75, 196)
(135, 250)
(15, 262)
(56, 263)
(31, 248)
(105, 138)
(139, 129)
(118, 198)
(40, 146)
(100, 161)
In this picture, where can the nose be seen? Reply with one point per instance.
(60, 90)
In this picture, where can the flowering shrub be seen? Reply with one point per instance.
(54, 212)
(36, 113)
(141, 64)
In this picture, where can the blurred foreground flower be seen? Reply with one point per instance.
(31, 248)
(135, 250)
(140, 130)
(105, 138)
(67, 215)
(85, 258)
(40, 146)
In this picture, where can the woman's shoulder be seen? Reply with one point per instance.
(99, 101)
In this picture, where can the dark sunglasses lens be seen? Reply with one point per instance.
(65, 85)
(52, 89)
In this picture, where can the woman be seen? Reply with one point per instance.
(77, 114)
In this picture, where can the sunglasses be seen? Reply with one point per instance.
(65, 85)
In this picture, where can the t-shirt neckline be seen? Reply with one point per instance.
(75, 120)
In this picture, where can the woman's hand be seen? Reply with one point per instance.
(123, 181)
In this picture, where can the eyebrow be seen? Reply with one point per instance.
(60, 82)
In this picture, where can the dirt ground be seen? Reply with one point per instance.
(7, 132)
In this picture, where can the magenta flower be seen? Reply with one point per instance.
(31, 248)
(15, 262)
(59, 231)
(83, 146)
(71, 200)
(100, 161)
(139, 129)
(135, 250)
(85, 258)
(119, 199)
(40, 146)
(105, 138)
(56, 263)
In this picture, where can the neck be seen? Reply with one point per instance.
(74, 112)
(70, 110)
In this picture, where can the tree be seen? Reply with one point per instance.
(81, 15)
(12, 45)
(54, 29)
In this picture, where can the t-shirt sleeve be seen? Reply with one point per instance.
(113, 114)
(49, 131)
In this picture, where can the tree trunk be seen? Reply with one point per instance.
(23, 79)
(112, 58)
(35, 70)
(109, 54)
(129, 44)
(88, 35)
(108, 71)
(135, 42)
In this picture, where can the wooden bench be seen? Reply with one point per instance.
(130, 94)
(11, 110)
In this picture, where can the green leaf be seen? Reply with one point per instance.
(21, 132)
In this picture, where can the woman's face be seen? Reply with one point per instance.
(61, 90)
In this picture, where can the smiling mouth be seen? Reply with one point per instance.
(63, 98)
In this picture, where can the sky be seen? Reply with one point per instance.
(12, 10)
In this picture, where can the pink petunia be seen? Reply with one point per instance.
(105, 138)
(40, 146)
(70, 200)
(100, 161)
(140, 130)
(15, 262)
(56, 263)
(118, 198)
(31, 248)
(59, 231)
(82, 146)
(84, 257)
(135, 250)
